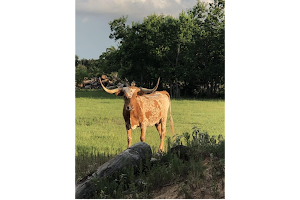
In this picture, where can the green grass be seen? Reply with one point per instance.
(228, 120)
(100, 125)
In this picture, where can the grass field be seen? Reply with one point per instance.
(100, 125)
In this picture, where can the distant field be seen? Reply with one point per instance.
(100, 125)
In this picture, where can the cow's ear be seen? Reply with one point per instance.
(140, 93)
(120, 93)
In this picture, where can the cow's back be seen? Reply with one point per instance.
(154, 107)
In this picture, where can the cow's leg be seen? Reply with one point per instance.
(162, 135)
(129, 137)
(158, 127)
(143, 133)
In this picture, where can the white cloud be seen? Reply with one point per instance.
(85, 19)
(261, 11)
(137, 9)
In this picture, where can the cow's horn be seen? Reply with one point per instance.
(110, 91)
(151, 90)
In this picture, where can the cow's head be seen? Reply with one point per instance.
(130, 93)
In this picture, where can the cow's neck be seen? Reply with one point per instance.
(136, 108)
(134, 114)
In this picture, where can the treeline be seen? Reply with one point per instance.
(187, 52)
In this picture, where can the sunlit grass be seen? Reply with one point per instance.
(100, 126)
(228, 119)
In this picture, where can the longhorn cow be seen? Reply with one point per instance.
(144, 107)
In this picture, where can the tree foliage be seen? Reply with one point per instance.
(187, 51)
(76, 60)
(80, 73)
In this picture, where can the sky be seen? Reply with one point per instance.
(92, 17)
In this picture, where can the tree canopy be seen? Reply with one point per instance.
(187, 52)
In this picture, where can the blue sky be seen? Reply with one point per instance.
(92, 17)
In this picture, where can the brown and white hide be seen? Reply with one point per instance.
(143, 110)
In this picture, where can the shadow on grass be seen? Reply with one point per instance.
(87, 163)
(95, 94)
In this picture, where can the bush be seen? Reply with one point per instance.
(80, 73)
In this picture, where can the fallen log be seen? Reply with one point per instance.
(127, 158)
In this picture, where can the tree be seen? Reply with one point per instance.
(80, 73)
(188, 50)
(76, 60)
(119, 28)
(93, 67)
(209, 43)
(109, 60)
(175, 49)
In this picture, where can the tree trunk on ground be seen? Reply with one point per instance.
(129, 157)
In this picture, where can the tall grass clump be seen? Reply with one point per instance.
(87, 163)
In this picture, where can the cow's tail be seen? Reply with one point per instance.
(171, 120)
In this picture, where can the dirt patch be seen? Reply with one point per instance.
(167, 192)
(173, 192)
(208, 187)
